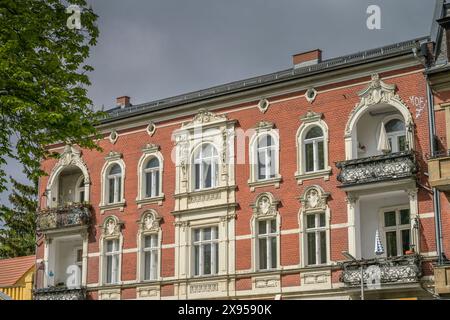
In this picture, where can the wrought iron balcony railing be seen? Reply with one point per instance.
(402, 269)
(59, 293)
(68, 216)
(377, 168)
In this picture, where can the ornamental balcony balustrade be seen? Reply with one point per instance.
(380, 168)
(59, 293)
(78, 214)
(393, 270)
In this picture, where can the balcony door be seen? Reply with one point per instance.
(397, 231)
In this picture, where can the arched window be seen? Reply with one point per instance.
(206, 167)
(114, 177)
(152, 176)
(266, 150)
(396, 133)
(313, 146)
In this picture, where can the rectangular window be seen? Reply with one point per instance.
(150, 252)
(267, 244)
(316, 239)
(206, 251)
(112, 261)
(397, 231)
(152, 184)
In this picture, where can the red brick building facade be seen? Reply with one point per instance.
(262, 188)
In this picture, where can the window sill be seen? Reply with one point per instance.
(325, 174)
(158, 200)
(264, 183)
(112, 206)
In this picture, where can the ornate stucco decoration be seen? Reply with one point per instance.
(150, 221)
(113, 136)
(314, 199)
(111, 227)
(151, 128)
(264, 126)
(311, 116)
(150, 148)
(69, 157)
(203, 117)
(378, 92)
(311, 95)
(265, 205)
(113, 155)
(263, 105)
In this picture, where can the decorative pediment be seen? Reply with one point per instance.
(264, 125)
(69, 157)
(150, 148)
(204, 117)
(377, 91)
(113, 155)
(111, 227)
(265, 205)
(311, 116)
(150, 221)
(314, 198)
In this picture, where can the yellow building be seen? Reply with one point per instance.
(16, 278)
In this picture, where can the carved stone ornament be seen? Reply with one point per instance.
(311, 116)
(311, 95)
(263, 105)
(113, 155)
(265, 205)
(150, 148)
(264, 125)
(314, 198)
(203, 117)
(111, 226)
(69, 157)
(151, 128)
(150, 221)
(113, 136)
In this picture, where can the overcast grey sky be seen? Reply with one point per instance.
(158, 48)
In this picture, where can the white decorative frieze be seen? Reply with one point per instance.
(204, 287)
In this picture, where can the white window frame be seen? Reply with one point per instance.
(199, 159)
(153, 171)
(314, 142)
(104, 204)
(273, 148)
(268, 237)
(316, 230)
(214, 242)
(154, 252)
(150, 151)
(80, 188)
(308, 122)
(117, 178)
(397, 228)
(393, 136)
(115, 254)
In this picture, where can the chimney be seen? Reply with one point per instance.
(123, 102)
(307, 58)
(445, 24)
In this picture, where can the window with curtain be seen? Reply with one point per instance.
(112, 261)
(313, 146)
(206, 167)
(266, 150)
(206, 251)
(150, 255)
(267, 244)
(396, 134)
(114, 180)
(152, 178)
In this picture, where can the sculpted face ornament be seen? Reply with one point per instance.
(313, 198)
(110, 226)
(148, 222)
(264, 205)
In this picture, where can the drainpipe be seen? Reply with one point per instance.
(436, 194)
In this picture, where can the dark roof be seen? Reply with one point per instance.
(285, 75)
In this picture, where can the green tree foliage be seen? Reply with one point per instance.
(17, 236)
(43, 81)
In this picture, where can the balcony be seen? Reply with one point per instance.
(63, 217)
(395, 270)
(439, 171)
(442, 279)
(59, 293)
(382, 168)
